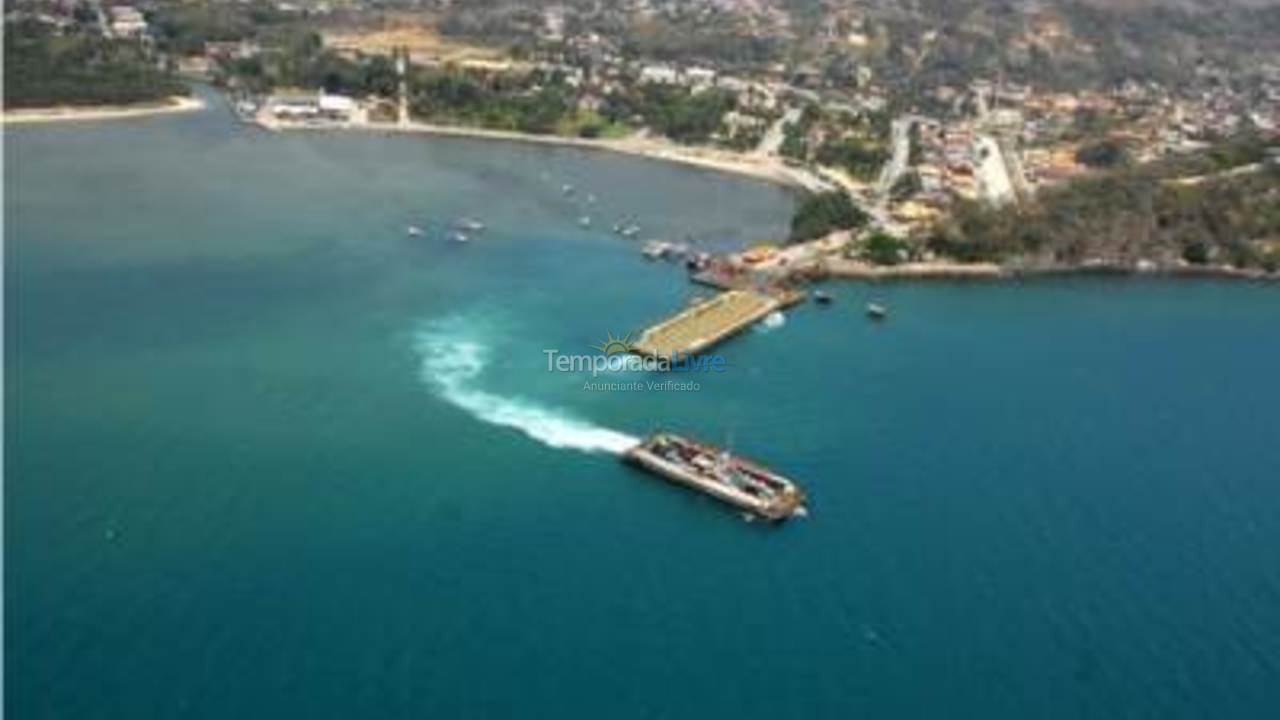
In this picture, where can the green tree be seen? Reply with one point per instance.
(824, 213)
(884, 249)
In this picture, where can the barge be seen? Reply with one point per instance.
(720, 474)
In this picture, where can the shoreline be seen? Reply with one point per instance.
(635, 145)
(951, 270)
(73, 113)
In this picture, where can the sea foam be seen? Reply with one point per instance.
(451, 365)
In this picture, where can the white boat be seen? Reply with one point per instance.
(876, 311)
(629, 231)
(774, 320)
(460, 237)
(469, 225)
(656, 249)
(584, 221)
(567, 189)
(414, 231)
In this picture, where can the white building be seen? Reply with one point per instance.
(699, 78)
(336, 107)
(291, 106)
(659, 75)
(127, 21)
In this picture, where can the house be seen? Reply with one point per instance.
(193, 65)
(699, 78)
(294, 105)
(127, 21)
(659, 75)
(335, 107)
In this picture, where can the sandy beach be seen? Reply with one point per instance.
(765, 168)
(176, 104)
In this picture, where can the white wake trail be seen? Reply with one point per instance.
(450, 365)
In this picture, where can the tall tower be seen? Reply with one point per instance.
(402, 66)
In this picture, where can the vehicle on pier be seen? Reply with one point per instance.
(719, 473)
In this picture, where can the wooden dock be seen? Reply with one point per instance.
(706, 323)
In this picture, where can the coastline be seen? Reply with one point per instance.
(640, 145)
(844, 269)
(71, 113)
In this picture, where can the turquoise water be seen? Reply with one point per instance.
(268, 457)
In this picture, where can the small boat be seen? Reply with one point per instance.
(567, 189)
(656, 249)
(460, 237)
(774, 320)
(697, 261)
(413, 231)
(584, 221)
(629, 231)
(469, 225)
(590, 198)
(822, 298)
(876, 311)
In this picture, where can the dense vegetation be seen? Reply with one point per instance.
(184, 28)
(882, 248)
(676, 112)
(42, 69)
(1102, 154)
(856, 157)
(298, 58)
(1123, 216)
(529, 103)
(824, 213)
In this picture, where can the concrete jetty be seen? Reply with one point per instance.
(707, 322)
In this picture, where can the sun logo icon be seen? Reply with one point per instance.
(613, 345)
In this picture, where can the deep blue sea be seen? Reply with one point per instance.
(267, 456)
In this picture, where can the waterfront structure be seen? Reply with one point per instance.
(705, 323)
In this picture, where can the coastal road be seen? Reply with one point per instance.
(773, 137)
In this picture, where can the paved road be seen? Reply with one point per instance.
(900, 139)
(776, 133)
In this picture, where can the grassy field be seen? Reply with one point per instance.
(418, 35)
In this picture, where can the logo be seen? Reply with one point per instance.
(620, 355)
(615, 346)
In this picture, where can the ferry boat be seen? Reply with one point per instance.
(729, 478)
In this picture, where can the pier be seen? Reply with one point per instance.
(706, 323)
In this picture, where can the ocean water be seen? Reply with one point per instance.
(266, 456)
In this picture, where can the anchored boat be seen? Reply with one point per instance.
(720, 474)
